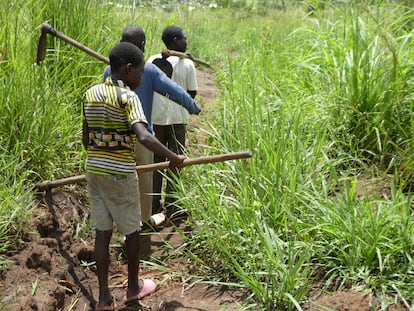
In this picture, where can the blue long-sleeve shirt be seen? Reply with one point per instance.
(154, 80)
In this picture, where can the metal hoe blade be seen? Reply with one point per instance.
(41, 48)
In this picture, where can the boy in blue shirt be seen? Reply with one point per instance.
(153, 80)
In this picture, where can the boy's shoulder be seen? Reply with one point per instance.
(152, 57)
(108, 84)
(94, 87)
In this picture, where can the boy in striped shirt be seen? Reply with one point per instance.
(113, 122)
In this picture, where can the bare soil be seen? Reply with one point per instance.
(52, 267)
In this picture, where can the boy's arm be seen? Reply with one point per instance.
(153, 144)
(168, 88)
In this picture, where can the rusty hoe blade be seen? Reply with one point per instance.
(41, 45)
(41, 48)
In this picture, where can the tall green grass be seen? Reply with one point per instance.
(318, 107)
(319, 99)
(40, 107)
(364, 57)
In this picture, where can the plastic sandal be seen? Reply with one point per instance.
(148, 286)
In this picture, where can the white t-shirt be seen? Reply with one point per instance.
(165, 111)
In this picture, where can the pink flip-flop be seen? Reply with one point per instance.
(148, 286)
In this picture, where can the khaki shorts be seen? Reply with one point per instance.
(114, 199)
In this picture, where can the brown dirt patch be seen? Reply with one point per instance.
(53, 267)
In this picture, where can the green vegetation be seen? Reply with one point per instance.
(323, 99)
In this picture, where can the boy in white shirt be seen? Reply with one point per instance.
(169, 119)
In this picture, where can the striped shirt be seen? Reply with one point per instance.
(110, 110)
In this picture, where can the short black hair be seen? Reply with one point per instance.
(171, 32)
(125, 53)
(134, 34)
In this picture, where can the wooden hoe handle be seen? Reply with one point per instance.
(166, 52)
(46, 28)
(49, 184)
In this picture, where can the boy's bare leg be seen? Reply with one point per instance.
(102, 240)
(132, 253)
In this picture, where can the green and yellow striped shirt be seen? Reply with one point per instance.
(110, 110)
